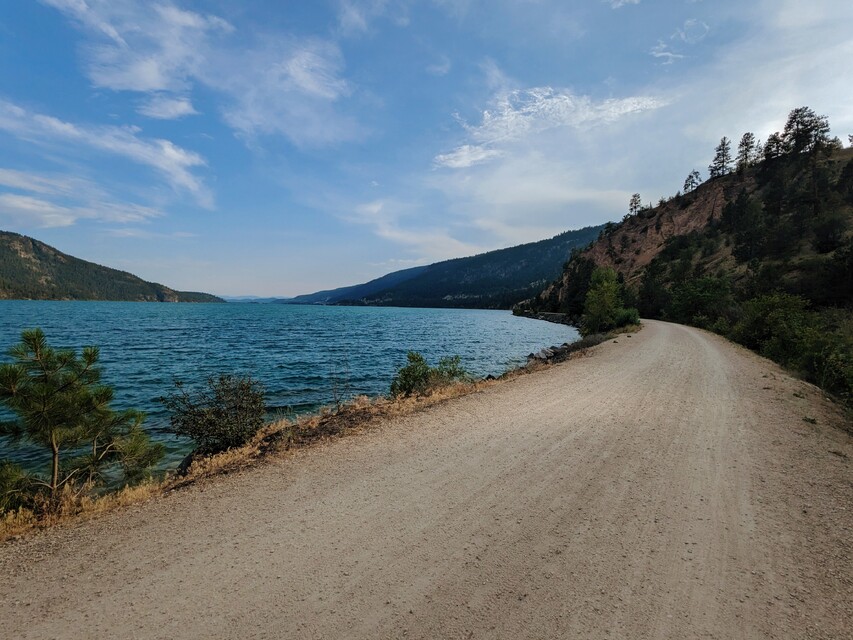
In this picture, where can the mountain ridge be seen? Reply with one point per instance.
(33, 270)
(491, 280)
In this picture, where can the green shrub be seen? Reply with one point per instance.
(225, 414)
(625, 317)
(699, 301)
(818, 345)
(826, 354)
(418, 378)
(413, 378)
(773, 325)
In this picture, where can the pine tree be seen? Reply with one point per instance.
(745, 152)
(805, 131)
(774, 147)
(634, 204)
(722, 163)
(693, 180)
(62, 406)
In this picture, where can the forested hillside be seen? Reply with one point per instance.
(492, 280)
(762, 252)
(32, 270)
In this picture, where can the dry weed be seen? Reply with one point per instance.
(282, 435)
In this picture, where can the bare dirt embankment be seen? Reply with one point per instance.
(668, 487)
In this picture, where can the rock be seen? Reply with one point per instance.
(185, 465)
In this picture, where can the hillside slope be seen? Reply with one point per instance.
(782, 225)
(491, 280)
(32, 270)
(763, 256)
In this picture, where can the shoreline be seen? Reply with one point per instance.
(283, 435)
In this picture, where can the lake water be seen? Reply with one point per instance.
(301, 354)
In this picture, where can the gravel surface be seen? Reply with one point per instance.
(668, 486)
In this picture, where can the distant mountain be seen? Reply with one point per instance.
(358, 292)
(32, 270)
(493, 280)
(252, 299)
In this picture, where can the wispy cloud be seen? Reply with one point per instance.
(440, 68)
(534, 156)
(466, 156)
(166, 108)
(520, 113)
(146, 234)
(356, 16)
(616, 4)
(663, 52)
(142, 47)
(386, 218)
(47, 200)
(287, 87)
(174, 164)
(526, 111)
(283, 85)
(692, 31)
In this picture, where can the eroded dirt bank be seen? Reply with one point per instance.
(668, 487)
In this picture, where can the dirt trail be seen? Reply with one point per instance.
(667, 487)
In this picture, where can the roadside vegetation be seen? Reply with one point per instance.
(766, 259)
(227, 413)
(225, 419)
(603, 308)
(60, 405)
(418, 378)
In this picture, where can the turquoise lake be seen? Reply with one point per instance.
(302, 355)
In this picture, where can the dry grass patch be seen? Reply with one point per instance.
(273, 439)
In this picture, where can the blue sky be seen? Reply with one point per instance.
(281, 147)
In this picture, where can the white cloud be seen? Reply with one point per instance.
(351, 17)
(532, 166)
(523, 112)
(355, 16)
(166, 108)
(287, 87)
(662, 51)
(616, 4)
(146, 234)
(465, 156)
(271, 85)
(16, 209)
(45, 200)
(80, 11)
(386, 217)
(148, 47)
(37, 183)
(692, 31)
(772, 69)
(173, 163)
(441, 67)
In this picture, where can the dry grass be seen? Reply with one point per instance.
(273, 439)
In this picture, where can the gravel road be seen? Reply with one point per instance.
(668, 486)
